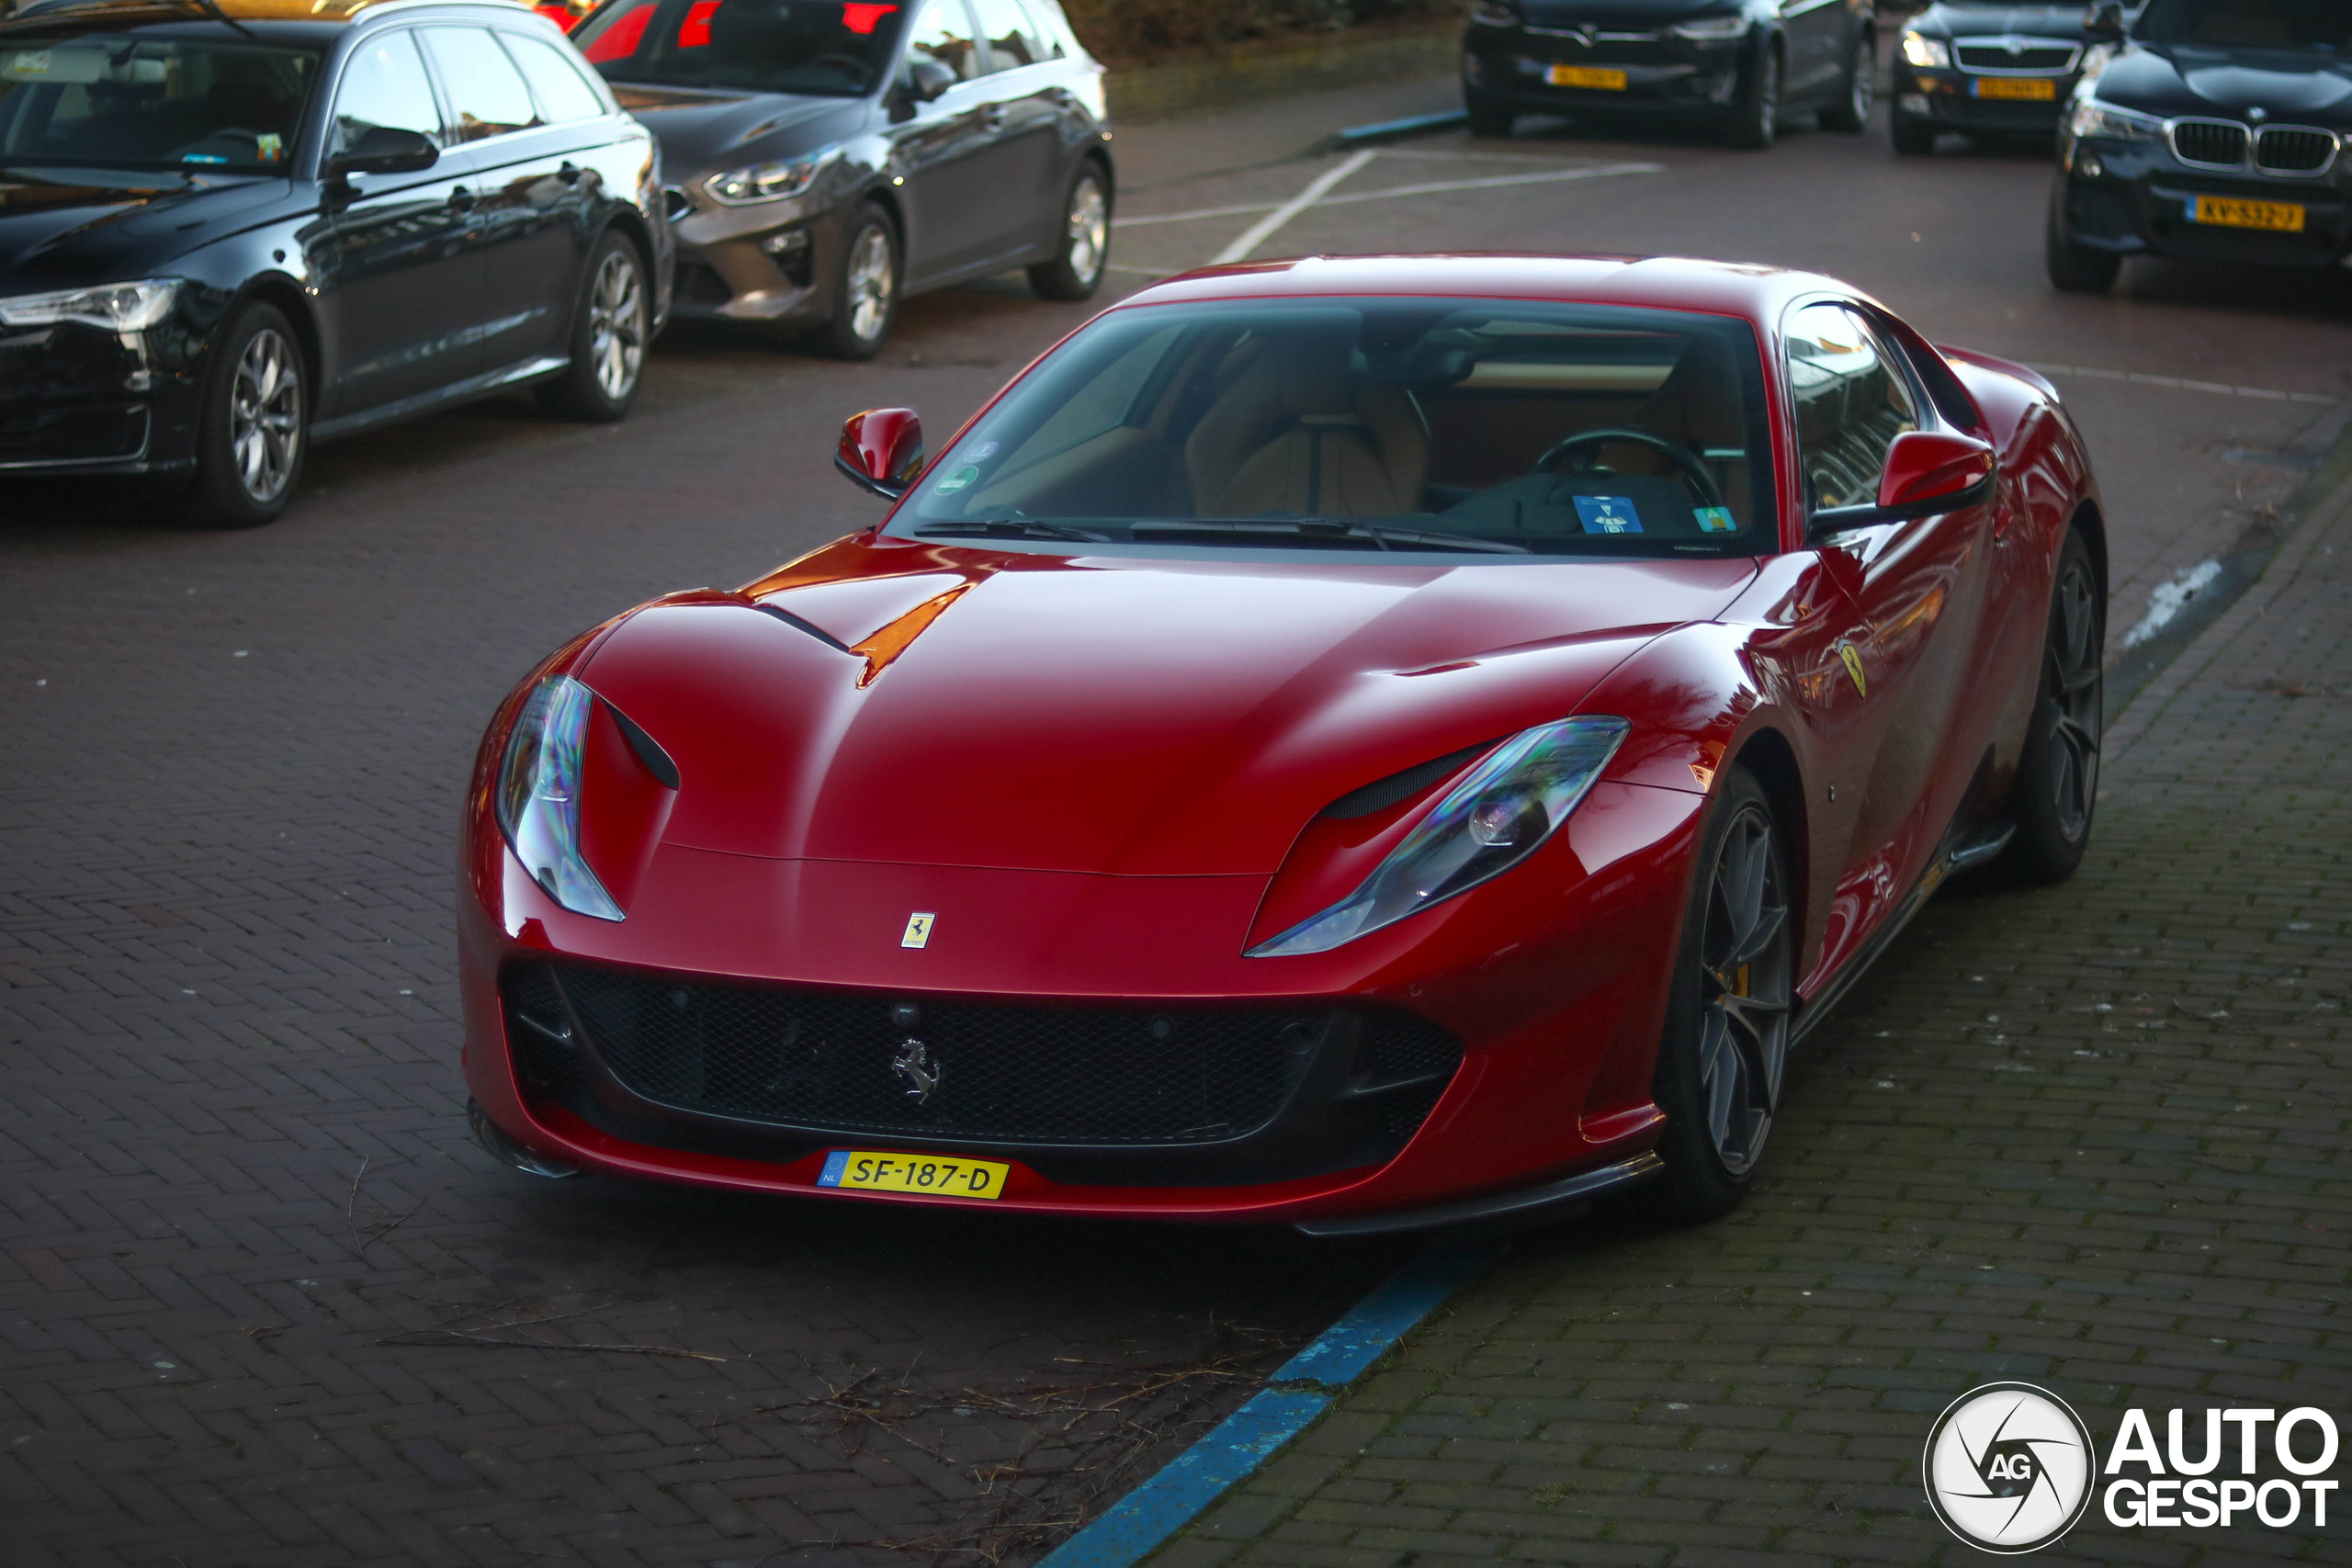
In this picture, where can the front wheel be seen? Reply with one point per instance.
(1075, 271)
(254, 428)
(1487, 117)
(1758, 115)
(1851, 113)
(865, 287)
(2077, 269)
(1913, 138)
(2057, 778)
(1720, 1064)
(611, 326)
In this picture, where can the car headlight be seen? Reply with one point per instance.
(539, 795)
(113, 307)
(1712, 29)
(770, 182)
(1494, 818)
(1932, 53)
(2093, 118)
(1494, 14)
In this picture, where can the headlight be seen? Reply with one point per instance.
(1929, 51)
(1494, 14)
(770, 182)
(539, 795)
(1494, 818)
(1712, 29)
(2092, 118)
(114, 307)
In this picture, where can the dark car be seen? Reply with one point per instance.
(825, 159)
(1985, 70)
(225, 234)
(2217, 132)
(1737, 65)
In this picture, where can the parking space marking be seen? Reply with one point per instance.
(1430, 187)
(2142, 378)
(1265, 229)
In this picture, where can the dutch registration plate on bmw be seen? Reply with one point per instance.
(1608, 81)
(2236, 212)
(872, 1171)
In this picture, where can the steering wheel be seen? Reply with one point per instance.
(1689, 463)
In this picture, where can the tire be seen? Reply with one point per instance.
(1758, 115)
(254, 425)
(2056, 789)
(865, 287)
(1850, 115)
(1075, 271)
(1914, 138)
(2077, 269)
(1720, 1064)
(1486, 116)
(612, 325)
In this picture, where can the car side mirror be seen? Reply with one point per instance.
(1927, 471)
(881, 451)
(385, 150)
(927, 79)
(2104, 19)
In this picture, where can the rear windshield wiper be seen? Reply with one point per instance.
(1380, 536)
(1007, 528)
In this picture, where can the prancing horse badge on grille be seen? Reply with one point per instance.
(915, 1067)
(918, 931)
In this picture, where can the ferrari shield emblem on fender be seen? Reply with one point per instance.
(918, 931)
(1846, 650)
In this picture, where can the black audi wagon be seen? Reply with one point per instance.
(230, 228)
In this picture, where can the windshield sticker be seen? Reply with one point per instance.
(981, 453)
(59, 65)
(1715, 520)
(270, 145)
(1607, 515)
(958, 478)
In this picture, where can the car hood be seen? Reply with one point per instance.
(2158, 79)
(1135, 717)
(61, 228)
(1979, 21)
(1617, 13)
(705, 131)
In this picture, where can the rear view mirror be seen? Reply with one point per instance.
(2104, 19)
(926, 79)
(1927, 471)
(881, 451)
(385, 150)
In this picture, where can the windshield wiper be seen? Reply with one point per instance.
(1007, 528)
(1381, 535)
(212, 10)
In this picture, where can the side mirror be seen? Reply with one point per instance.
(2104, 19)
(385, 150)
(1927, 471)
(881, 451)
(927, 79)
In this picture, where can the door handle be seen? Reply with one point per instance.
(461, 200)
(569, 173)
(994, 116)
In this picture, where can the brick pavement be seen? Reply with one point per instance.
(2092, 1137)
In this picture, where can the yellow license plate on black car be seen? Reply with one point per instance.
(1586, 76)
(941, 1176)
(2039, 89)
(2236, 212)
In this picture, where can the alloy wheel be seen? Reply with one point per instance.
(616, 325)
(1090, 229)
(1745, 978)
(2074, 712)
(873, 278)
(1865, 84)
(265, 415)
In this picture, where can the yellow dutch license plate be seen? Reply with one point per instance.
(2236, 212)
(939, 1175)
(2040, 89)
(1586, 76)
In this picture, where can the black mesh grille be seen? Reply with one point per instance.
(2053, 58)
(63, 435)
(2213, 142)
(545, 1055)
(2284, 149)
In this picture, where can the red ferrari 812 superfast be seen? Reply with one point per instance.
(1361, 744)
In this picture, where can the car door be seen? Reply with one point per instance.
(531, 197)
(1814, 31)
(936, 147)
(398, 278)
(1025, 117)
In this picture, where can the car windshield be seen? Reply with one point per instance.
(140, 101)
(820, 47)
(1489, 427)
(2313, 26)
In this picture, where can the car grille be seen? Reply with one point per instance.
(1068, 1075)
(2032, 57)
(2294, 150)
(73, 435)
(2212, 143)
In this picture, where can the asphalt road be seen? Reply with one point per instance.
(262, 1302)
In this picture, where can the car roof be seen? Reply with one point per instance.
(132, 13)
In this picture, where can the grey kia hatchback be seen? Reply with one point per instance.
(826, 159)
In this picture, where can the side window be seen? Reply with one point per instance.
(944, 33)
(562, 91)
(384, 85)
(486, 93)
(1014, 41)
(1851, 404)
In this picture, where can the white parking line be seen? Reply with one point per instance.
(1432, 188)
(2140, 378)
(1265, 228)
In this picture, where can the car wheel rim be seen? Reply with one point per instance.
(872, 280)
(1090, 229)
(1745, 978)
(2075, 718)
(1768, 95)
(617, 326)
(1865, 67)
(265, 415)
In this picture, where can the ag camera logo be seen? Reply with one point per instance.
(2009, 1468)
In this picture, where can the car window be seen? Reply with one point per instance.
(1100, 405)
(2313, 26)
(152, 102)
(1014, 39)
(818, 46)
(563, 93)
(943, 32)
(1851, 403)
(486, 93)
(384, 85)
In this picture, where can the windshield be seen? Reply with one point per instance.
(2315, 27)
(819, 47)
(1494, 427)
(145, 102)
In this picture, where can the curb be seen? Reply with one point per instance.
(1296, 1396)
(1388, 131)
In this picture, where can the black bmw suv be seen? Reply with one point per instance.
(2217, 131)
(229, 227)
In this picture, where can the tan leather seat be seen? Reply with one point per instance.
(1294, 431)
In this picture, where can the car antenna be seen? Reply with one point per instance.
(212, 10)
